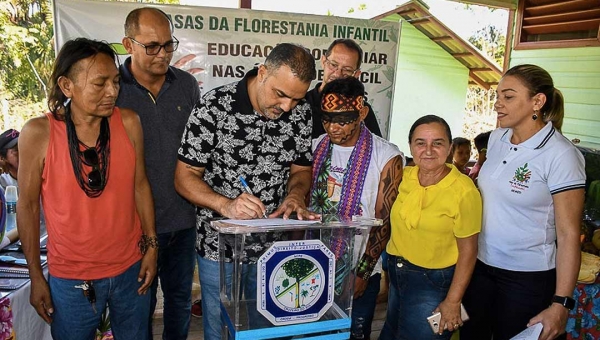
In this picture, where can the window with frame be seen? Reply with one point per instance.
(557, 23)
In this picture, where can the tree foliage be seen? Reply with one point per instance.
(298, 268)
(26, 57)
(361, 7)
(491, 41)
(479, 111)
(26, 49)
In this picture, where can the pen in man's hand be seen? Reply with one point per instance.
(247, 189)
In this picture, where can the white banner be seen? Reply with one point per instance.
(219, 45)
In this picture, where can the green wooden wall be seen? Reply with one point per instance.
(576, 72)
(428, 81)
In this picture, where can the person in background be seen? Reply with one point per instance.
(163, 96)
(9, 156)
(9, 160)
(374, 179)
(86, 160)
(436, 219)
(9, 237)
(258, 128)
(342, 60)
(481, 142)
(461, 153)
(532, 185)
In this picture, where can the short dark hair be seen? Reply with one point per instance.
(65, 66)
(349, 87)
(4, 152)
(294, 56)
(132, 22)
(428, 120)
(458, 142)
(481, 140)
(350, 44)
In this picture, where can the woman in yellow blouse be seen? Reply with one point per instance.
(433, 247)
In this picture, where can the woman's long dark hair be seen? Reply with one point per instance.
(65, 66)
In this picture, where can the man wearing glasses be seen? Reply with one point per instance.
(342, 59)
(163, 96)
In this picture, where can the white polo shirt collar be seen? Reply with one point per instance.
(537, 141)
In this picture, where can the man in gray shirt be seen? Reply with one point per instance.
(163, 97)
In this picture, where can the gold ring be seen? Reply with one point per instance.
(456, 325)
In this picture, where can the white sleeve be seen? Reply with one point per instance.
(567, 171)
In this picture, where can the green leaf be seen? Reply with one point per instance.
(119, 48)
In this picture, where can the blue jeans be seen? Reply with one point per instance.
(176, 254)
(211, 305)
(363, 309)
(415, 292)
(74, 317)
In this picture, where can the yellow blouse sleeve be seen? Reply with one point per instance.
(468, 221)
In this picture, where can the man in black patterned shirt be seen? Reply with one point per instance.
(258, 128)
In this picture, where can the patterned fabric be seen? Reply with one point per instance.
(584, 319)
(226, 137)
(313, 97)
(352, 187)
(339, 103)
(6, 320)
(354, 178)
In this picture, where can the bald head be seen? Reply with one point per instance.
(146, 14)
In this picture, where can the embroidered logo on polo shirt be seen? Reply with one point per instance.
(520, 179)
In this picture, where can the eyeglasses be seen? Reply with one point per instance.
(154, 49)
(90, 157)
(333, 66)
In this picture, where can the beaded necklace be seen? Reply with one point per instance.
(80, 154)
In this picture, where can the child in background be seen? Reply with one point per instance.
(9, 157)
(481, 141)
(461, 153)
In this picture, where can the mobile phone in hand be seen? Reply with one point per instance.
(434, 320)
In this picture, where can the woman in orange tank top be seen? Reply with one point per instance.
(85, 159)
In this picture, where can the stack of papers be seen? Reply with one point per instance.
(531, 333)
(12, 283)
(13, 265)
(271, 222)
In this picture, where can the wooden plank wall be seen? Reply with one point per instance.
(576, 72)
(428, 81)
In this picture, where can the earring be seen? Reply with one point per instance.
(535, 115)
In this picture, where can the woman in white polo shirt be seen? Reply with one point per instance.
(532, 186)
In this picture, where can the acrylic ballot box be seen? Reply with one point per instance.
(300, 287)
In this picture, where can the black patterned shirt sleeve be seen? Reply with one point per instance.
(198, 138)
(303, 116)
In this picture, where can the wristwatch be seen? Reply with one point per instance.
(565, 301)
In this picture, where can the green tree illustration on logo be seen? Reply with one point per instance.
(522, 174)
(298, 268)
(304, 295)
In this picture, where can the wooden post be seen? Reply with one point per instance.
(246, 4)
